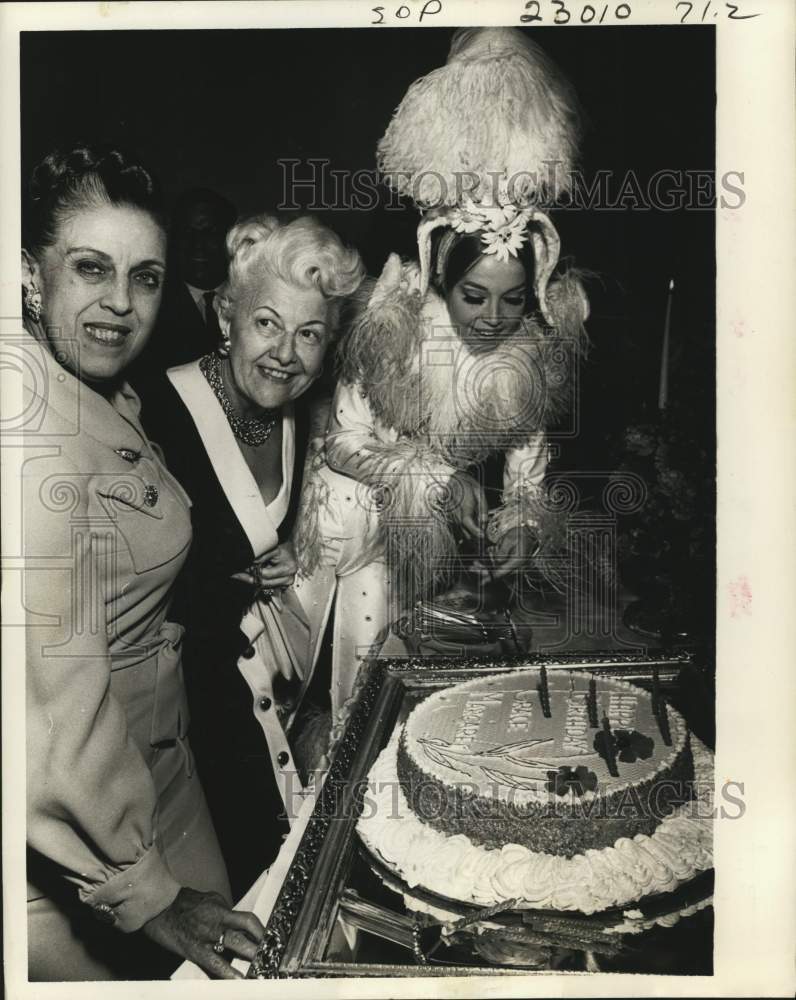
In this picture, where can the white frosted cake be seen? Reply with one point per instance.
(556, 789)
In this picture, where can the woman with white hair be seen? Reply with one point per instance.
(234, 431)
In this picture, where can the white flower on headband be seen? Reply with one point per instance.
(464, 221)
(502, 225)
(504, 242)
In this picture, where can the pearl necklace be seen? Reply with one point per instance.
(253, 431)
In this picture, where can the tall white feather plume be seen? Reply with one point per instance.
(498, 108)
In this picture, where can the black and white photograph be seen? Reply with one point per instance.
(395, 445)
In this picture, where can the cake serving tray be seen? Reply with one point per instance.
(310, 932)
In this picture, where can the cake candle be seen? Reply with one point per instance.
(662, 716)
(610, 755)
(656, 689)
(544, 692)
(594, 721)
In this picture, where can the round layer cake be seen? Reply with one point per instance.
(558, 763)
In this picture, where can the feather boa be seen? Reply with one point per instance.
(307, 537)
(450, 416)
(527, 507)
(417, 496)
(422, 380)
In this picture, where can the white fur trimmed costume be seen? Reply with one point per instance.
(479, 144)
(374, 528)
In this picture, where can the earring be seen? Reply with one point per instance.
(223, 347)
(31, 301)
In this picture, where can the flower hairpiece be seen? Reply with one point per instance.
(503, 225)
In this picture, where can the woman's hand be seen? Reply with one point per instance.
(275, 570)
(512, 552)
(470, 512)
(195, 922)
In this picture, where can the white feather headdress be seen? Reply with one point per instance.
(483, 143)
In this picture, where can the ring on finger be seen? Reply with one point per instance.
(219, 947)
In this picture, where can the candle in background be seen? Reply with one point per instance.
(663, 385)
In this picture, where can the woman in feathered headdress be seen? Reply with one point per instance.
(458, 358)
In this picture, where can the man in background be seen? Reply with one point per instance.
(187, 325)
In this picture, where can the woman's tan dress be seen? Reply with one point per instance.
(117, 820)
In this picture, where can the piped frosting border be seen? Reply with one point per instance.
(455, 868)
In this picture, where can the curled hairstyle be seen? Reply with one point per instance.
(453, 254)
(300, 252)
(69, 181)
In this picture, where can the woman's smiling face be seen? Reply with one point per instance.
(279, 334)
(488, 301)
(101, 284)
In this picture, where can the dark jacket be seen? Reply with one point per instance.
(231, 754)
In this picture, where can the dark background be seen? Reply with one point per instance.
(219, 108)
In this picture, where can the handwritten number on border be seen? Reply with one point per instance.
(566, 11)
(732, 11)
(733, 8)
(532, 5)
(563, 12)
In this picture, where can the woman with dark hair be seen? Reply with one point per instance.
(234, 427)
(119, 835)
(454, 254)
(459, 362)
